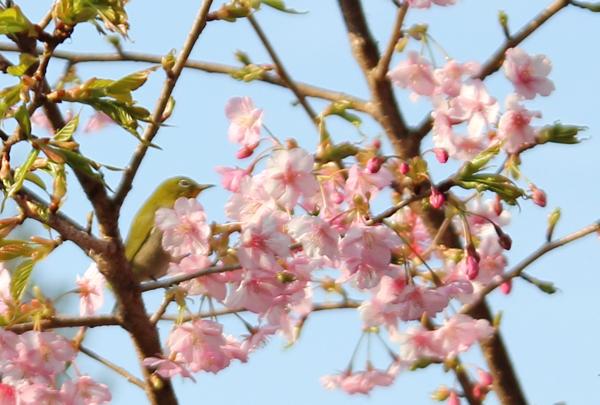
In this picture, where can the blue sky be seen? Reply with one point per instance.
(552, 339)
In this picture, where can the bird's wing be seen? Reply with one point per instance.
(141, 228)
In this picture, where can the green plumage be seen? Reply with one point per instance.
(143, 246)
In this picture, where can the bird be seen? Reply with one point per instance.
(143, 246)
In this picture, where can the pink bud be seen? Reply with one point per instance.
(497, 206)
(506, 287)
(436, 199)
(485, 378)
(538, 195)
(505, 241)
(479, 391)
(376, 144)
(404, 168)
(453, 399)
(245, 151)
(472, 267)
(374, 164)
(441, 154)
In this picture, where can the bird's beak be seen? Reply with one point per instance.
(202, 187)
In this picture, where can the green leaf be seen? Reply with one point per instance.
(66, 132)
(126, 116)
(25, 62)
(122, 88)
(11, 249)
(479, 162)
(35, 179)
(20, 278)
(502, 186)
(280, 5)
(13, 21)
(9, 96)
(21, 172)
(22, 117)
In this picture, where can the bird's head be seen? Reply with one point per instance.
(181, 186)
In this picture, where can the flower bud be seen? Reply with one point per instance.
(472, 267)
(441, 394)
(497, 205)
(441, 154)
(453, 399)
(436, 199)
(538, 195)
(404, 168)
(506, 287)
(485, 378)
(374, 164)
(245, 152)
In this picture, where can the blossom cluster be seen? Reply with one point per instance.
(33, 366)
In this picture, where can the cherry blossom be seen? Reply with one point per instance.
(213, 285)
(84, 391)
(245, 121)
(317, 237)
(91, 291)
(528, 73)
(358, 382)
(97, 122)
(289, 176)
(361, 182)
(5, 295)
(450, 76)
(201, 345)
(415, 73)
(184, 228)
(365, 253)
(168, 368)
(231, 177)
(460, 332)
(514, 126)
(476, 106)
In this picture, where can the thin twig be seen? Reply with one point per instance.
(168, 282)
(519, 268)
(161, 104)
(117, 369)
(386, 58)
(168, 298)
(208, 67)
(281, 70)
(66, 322)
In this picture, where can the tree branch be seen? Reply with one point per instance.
(66, 322)
(117, 369)
(168, 282)
(519, 268)
(208, 67)
(281, 71)
(386, 58)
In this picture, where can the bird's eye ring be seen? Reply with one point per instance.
(184, 183)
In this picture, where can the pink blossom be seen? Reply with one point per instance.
(528, 73)
(200, 345)
(472, 267)
(263, 240)
(167, 368)
(457, 146)
(256, 294)
(506, 287)
(475, 105)
(97, 122)
(250, 200)
(514, 126)
(289, 176)
(417, 343)
(245, 121)
(232, 177)
(184, 228)
(449, 77)
(91, 291)
(318, 238)
(365, 253)
(412, 230)
(441, 154)
(213, 285)
(415, 73)
(34, 393)
(404, 168)
(460, 332)
(84, 391)
(374, 164)
(39, 354)
(361, 182)
(485, 209)
(484, 377)
(8, 394)
(358, 382)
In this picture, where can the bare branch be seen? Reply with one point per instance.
(168, 282)
(386, 58)
(161, 104)
(65, 322)
(285, 76)
(519, 268)
(117, 369)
